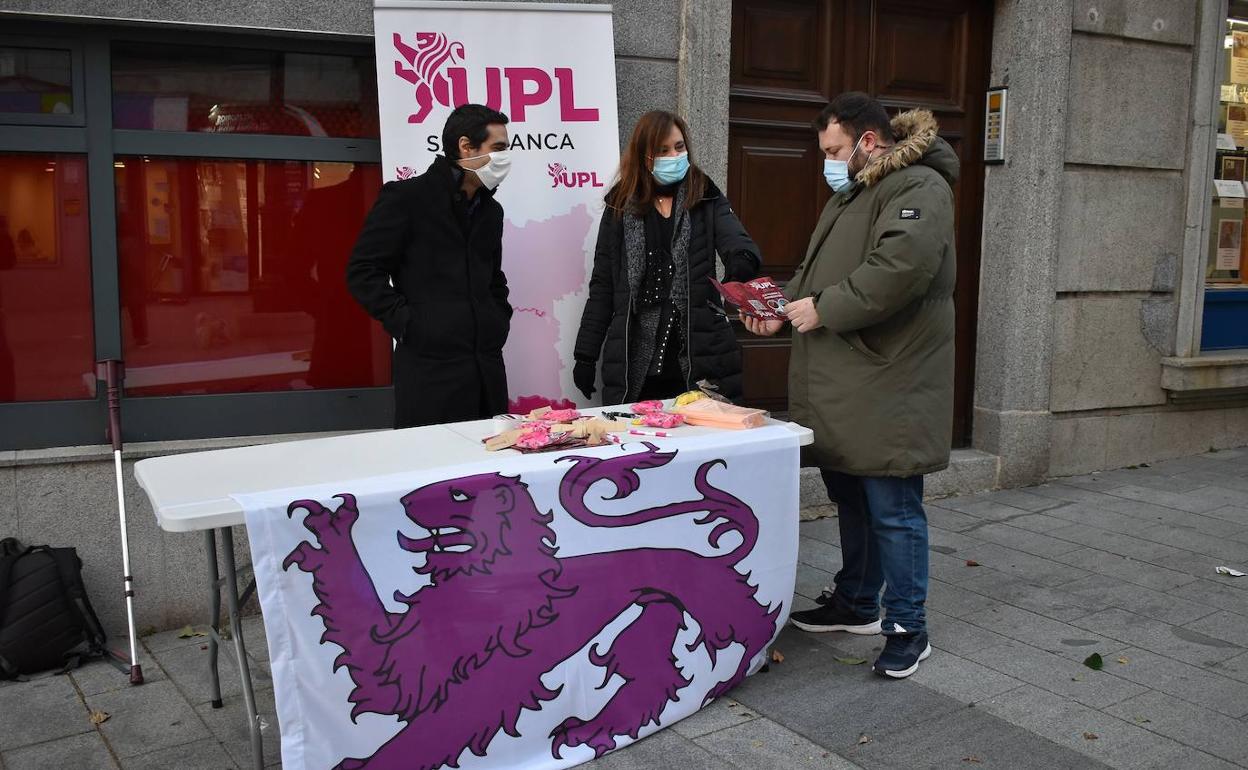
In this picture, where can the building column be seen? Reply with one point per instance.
(1022, 219)
(702, 81)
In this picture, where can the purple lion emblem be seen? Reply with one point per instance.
(425, 69)
(468, 654)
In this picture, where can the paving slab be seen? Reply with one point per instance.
(41, 710)
(147, 718)
(1207, 686)
(763, 743)
(1093, 560)
(1103, 737)
(1106, 592)
(1223, 593)
(1235, 668)
(1222, 546)
(1041, 522)
(1023, 540)
(1024, 499)
(1227, 626)
(1190, 725)
(1057, 603)
(662, 749)
(188, 667)
(833, 704)
(827, 529)
(958, 601)
(99, 676)
(229, 726)
(1162, 638)
(963, 680)
(207, 754)
(720, 715)
(968, 738)
(944, 518)
(818, 554)
(80, 752)
(1035, 630)
(1039, 570)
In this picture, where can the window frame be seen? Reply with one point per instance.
(42, 424)
(1209, 73)
(77, 117)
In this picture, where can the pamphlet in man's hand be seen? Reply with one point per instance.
(760, 298)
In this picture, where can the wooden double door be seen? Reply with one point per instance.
(789, 58)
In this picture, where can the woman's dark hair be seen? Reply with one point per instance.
(634, 188)
(857, 112)
(472, 121)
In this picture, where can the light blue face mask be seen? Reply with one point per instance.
(836, 172)
(670, 170)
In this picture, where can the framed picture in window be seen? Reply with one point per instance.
(1233, 167)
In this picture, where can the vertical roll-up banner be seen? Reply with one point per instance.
(550, 67)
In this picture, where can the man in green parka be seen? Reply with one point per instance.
(872, 363)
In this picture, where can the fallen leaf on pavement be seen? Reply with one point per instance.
(1091, 736)
(1094, 661)
(1231, 572)
(777, 656)
(864, 739)
(189, 633)
(1123, 660)
(973, 563)
(851, 661)
(973, 760)
(99, 717)
(758, 744)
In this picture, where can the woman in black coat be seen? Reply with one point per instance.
(653, 318)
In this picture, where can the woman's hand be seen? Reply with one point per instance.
(760, 327)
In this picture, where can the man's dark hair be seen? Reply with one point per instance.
(472, 121)
(858, 113)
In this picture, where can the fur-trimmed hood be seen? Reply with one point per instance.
(916, 142)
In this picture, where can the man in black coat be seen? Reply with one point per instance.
(428, 266)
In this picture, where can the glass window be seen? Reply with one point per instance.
(234, 90)
(1225, 323)
(47, 348)
(36, 81)
(233, 276)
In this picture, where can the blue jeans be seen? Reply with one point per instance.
(883, 545)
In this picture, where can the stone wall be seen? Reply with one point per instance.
(1085, 231)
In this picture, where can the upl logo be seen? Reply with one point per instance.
(561, 176)
(431, 66)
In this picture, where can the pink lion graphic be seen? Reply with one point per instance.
(556, 172)
(468, 654)
(425, 63)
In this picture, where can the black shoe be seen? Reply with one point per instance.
(902, 655)
(830, 617)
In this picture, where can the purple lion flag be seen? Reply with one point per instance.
(533, 612)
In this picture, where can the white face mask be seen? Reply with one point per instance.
(493, 173)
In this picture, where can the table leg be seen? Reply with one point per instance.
(236, 628)
(214, 580)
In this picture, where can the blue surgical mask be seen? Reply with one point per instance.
(836, 172)
(671, 169)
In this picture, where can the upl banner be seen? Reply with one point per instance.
(550, 67)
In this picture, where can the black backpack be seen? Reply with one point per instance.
(46, 620)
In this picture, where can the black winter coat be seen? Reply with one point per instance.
(607, 320)
(448, 306)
